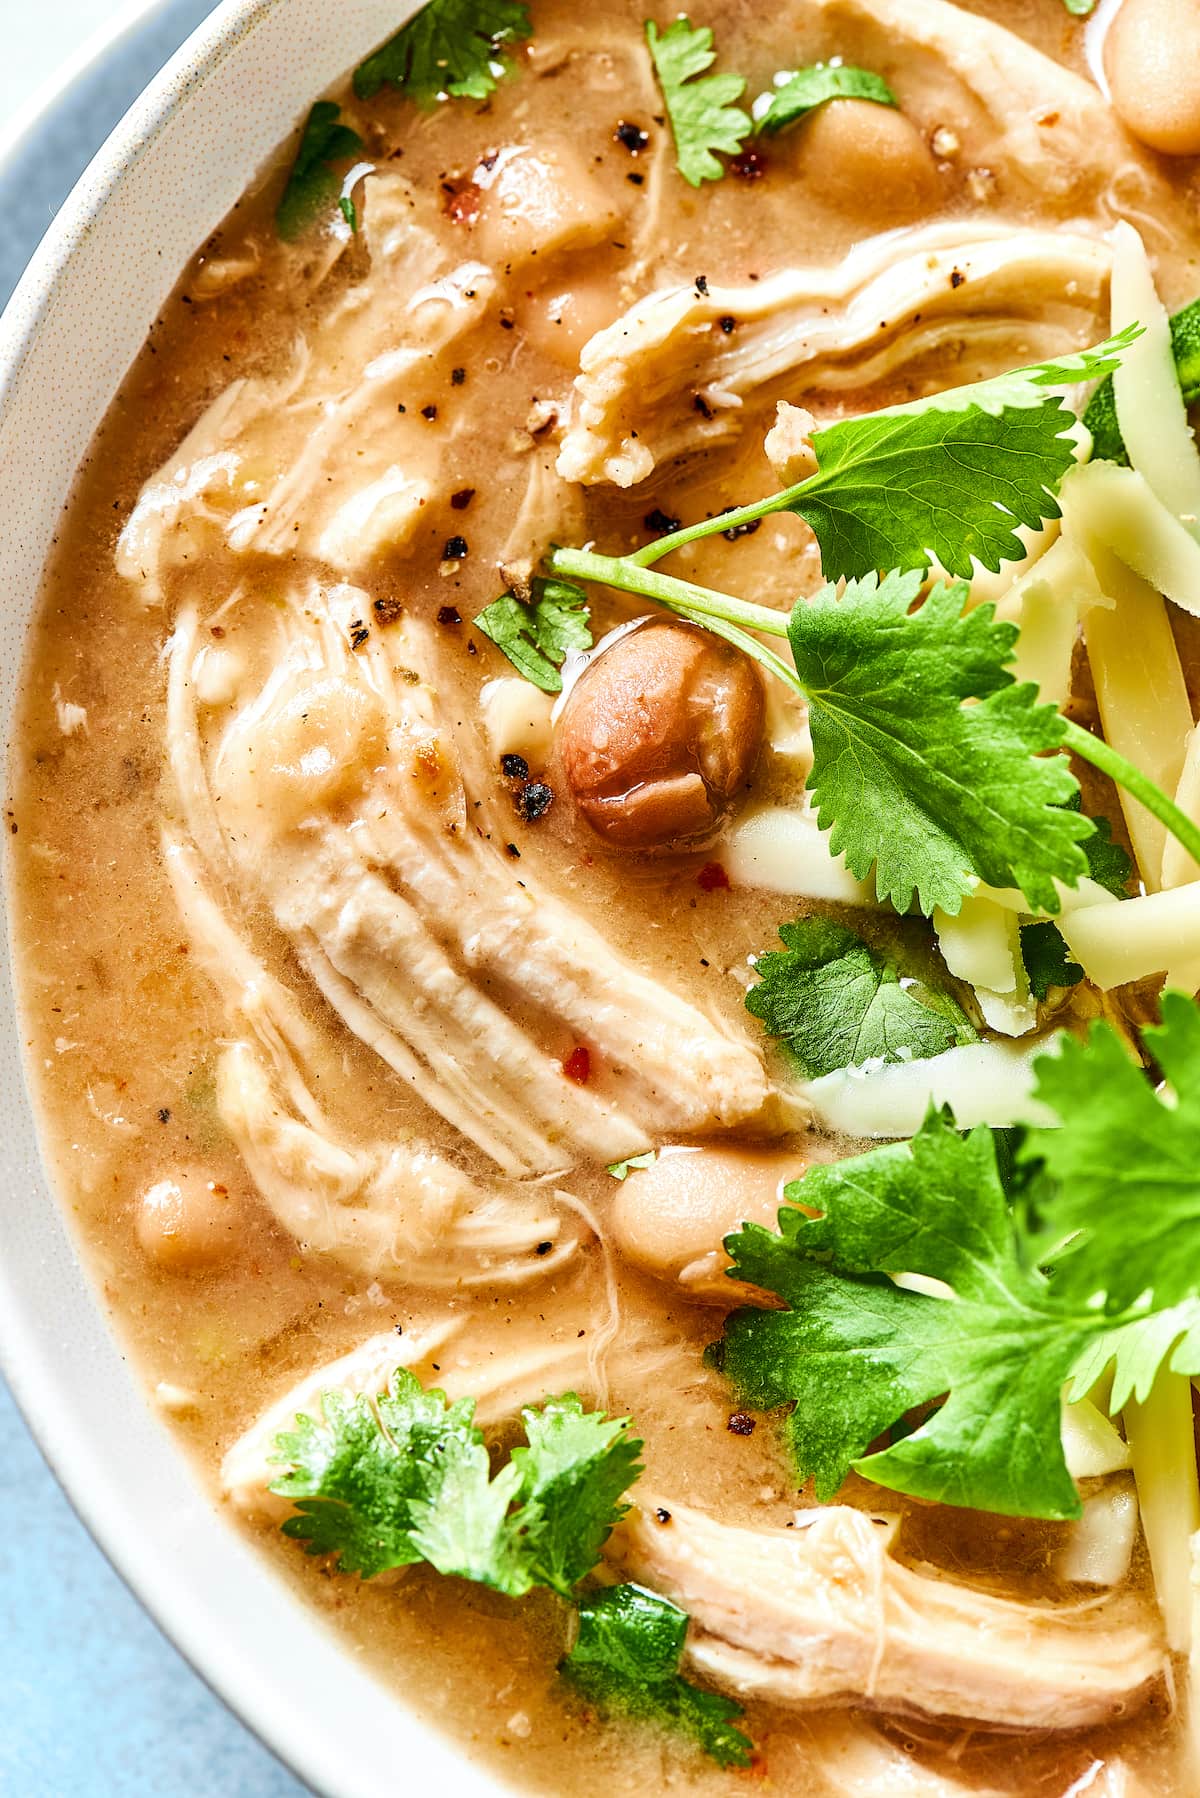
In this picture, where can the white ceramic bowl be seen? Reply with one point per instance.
(168, 174)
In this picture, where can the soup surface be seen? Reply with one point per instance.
(353, 960)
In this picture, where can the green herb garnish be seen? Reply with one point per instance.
(1108, 445)
(385, 1482)
(448, 48)
(407, 1478)
(807, 89)
(837, 1003)
(700, 107)
(626, 1659)
(536, 633)
(1095, 1262)
(313, 186)
(621, 1170)
(1047, 959)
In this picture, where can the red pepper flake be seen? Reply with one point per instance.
(740, 1424)
(712, 878)
(750, 165)
(461, 205)
(578, 1065)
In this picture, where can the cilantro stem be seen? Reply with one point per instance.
(629, 575)
(1125, 774)
(708, 527)
(732, 619)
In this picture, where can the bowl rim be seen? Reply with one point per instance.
(258, 1697)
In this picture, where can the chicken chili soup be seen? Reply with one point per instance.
(605, 869)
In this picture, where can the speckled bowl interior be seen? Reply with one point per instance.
(174, 166)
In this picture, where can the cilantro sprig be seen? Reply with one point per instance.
(407, 1477)
(700, 108)
(449, 48)
(313, 185)
(803, 92)
(943, 1295)
(836, 1002)
(385, 1482)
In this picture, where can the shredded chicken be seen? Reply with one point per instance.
(336, 794)
(394, 1208)
(665, 380)
(823, 1613)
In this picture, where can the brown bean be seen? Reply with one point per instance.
(187, 1221)
(659, 735)
(1152, 60)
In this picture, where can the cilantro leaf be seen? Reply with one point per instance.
(836, 1003)
(313, 188)
(855, 1352)
(407, 1477)
(807, 89)
(1108, 444)
(1108, 864)
(447, 48)
(908, 777)
(1125, 1161)
(621, 1170)
(626, 1659)
(1137, 1351)
(1047, 960)
(535, 634)
(701, 111)
(893, 490)
(573, 1473)
(949, 477)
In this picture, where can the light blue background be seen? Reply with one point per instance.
(94, 1702)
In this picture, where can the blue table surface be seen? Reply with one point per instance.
(95, 1702)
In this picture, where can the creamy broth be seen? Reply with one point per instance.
(128, 1014)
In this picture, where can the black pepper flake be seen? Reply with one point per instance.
(457, 376)
(513, 851)
(660, 522)
(461, 500)
(358, 635)
(456, 549)
(429, 412)
(663, 1515)
(514, 767)
(701, 283)
(449, 615)
(534, 800)
(741, 530)
(544, 1248)
(388, 609)
(701, 405)
(740, 1424)
(507, 321)
(164, 1116)
(728, 324)
(636, 180)
(956, 277)
(631, 137)
(402, 408)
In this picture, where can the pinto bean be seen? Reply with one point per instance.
(1152, 60)
(659, 735)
